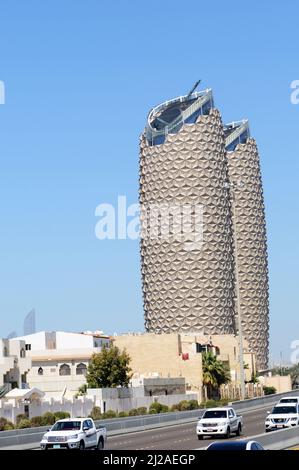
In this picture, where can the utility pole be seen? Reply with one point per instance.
(238, 301)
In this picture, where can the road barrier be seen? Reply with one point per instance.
(262, 402)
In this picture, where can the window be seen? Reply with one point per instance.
(28, 347)
(81, 369)
(215, 414)
(87, 424)
(67, 426)
(40, 371)
(22, 353)
(65, 370)
(5, 352)
(231, 414)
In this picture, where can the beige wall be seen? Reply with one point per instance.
(161, 355)
(281, 383)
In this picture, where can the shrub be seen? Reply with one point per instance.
(269, 390)
(96, 413)
(36, 421)
(5, 425)
(61, 415)
(183, 405)
(175, 407)
(8, 426)
(20, 418)
(157, 407)
(223, 401)
(164, 409)
(48, 419)
(24, 423)
(193, 405)
(109, 414)
(142, 410)
(122, 414)
(133, 412)
(211, 404)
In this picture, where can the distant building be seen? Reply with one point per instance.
(14, 365)
(30, 323)
(60, 359)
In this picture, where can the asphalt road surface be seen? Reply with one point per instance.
(183, 436)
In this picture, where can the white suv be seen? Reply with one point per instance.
(283, 415)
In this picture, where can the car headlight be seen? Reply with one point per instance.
(293, 420)
(72, 437)
(45, 437)
(268, 420)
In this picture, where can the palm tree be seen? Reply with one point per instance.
(215, 373)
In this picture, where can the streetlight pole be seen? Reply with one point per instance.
(238, 303)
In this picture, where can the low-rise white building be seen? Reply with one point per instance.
(14, 365)
(60, 360)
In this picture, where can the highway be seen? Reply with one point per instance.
(181, 437)
(173, 437)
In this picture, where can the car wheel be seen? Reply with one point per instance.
(100, 445)
(200, 438)
(81, 445)
(227, 435)
(239, 430)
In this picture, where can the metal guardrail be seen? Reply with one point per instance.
(279, 440)
(261, 402)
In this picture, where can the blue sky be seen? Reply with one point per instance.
(80, 77)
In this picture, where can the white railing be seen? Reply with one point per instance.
(240, 127)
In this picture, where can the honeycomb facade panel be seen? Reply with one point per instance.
(187, 290)
(251, 243)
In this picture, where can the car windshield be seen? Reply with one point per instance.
(67, 426)
(282, 410)
(215, 414)
(288, 400)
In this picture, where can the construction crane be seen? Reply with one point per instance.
(193, 88)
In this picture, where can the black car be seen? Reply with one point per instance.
(236, 445)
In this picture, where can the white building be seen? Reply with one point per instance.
(14, 365)
(60, 360)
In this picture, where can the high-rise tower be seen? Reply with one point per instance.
(187, 276)
(251, 241)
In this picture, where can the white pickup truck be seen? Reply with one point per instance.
(76, 433)
(219, 421)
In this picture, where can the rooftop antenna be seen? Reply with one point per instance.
(193, 88)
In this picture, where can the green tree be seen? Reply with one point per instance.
(109, 369)
(215, 374)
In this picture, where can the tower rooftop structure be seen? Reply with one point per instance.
(169, 116)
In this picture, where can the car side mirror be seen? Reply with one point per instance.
(268, 412)
(85, 429)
